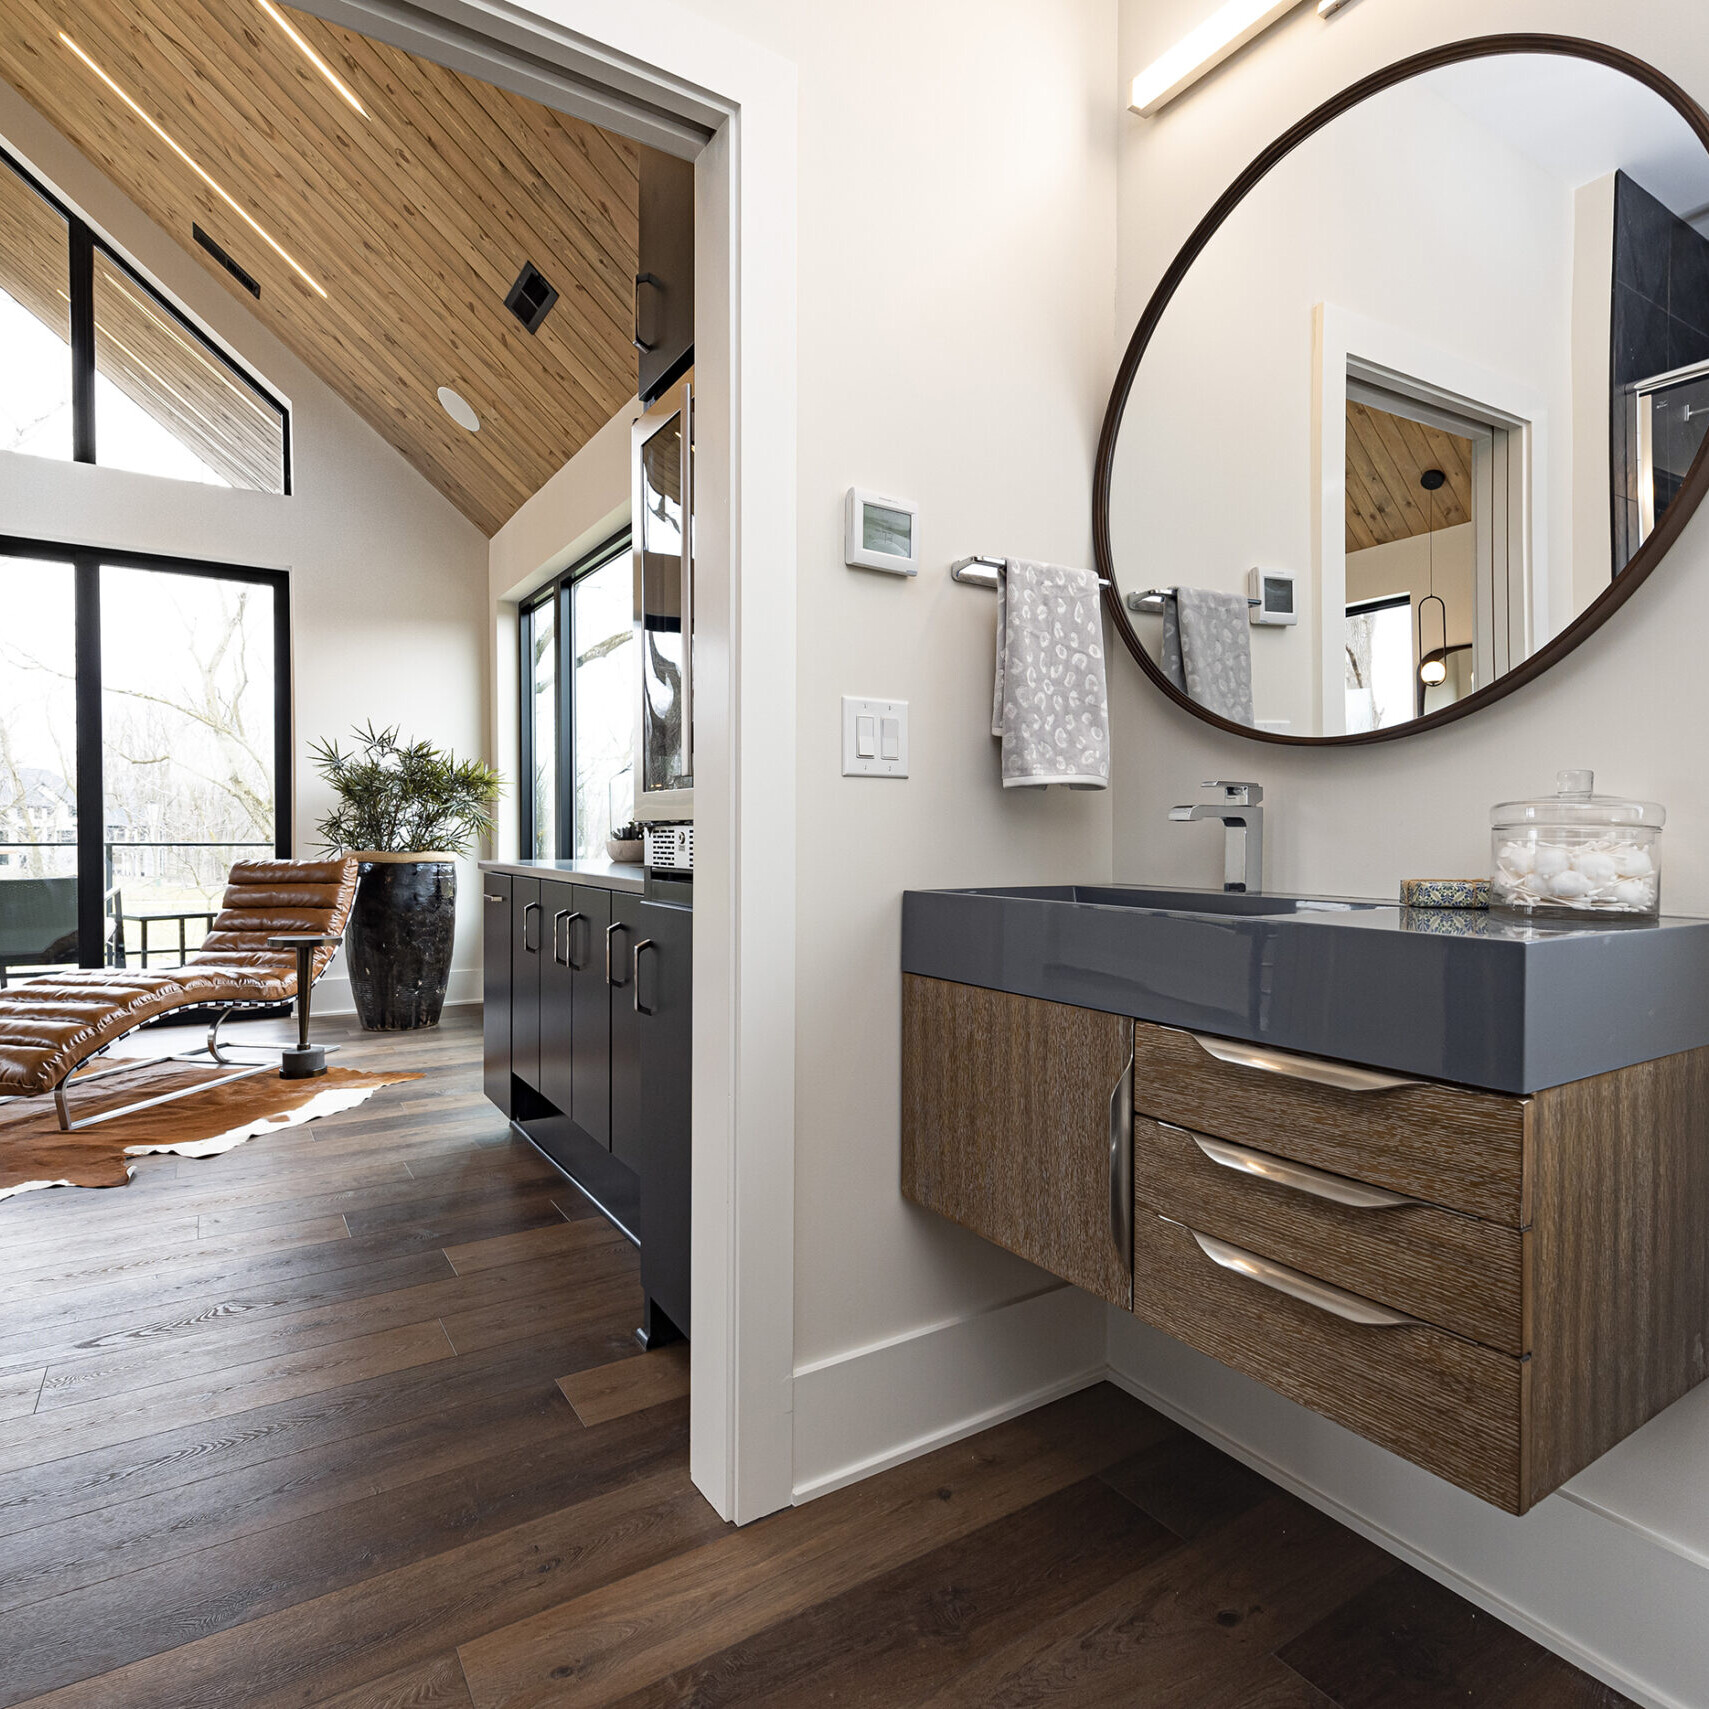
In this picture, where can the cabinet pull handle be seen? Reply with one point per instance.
(1121, 1161)
(571, 915)
(1341, 1075)
(1301, 1177)
(646, 943)
(487, 896)
(1353, 1308)
(615, 926)
(558, 920)
(527, 909)
(657, 284)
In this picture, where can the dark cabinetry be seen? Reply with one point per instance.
(664, 279)
(588, 1049)
(651, 1060)
(525, 912)
(495, 987)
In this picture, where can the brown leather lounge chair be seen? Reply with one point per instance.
(51, 1028)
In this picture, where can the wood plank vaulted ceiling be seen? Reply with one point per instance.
(415, 220)
(1386, 459)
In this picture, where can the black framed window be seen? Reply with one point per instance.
(145, 745)
(101, 368)
(579, 690)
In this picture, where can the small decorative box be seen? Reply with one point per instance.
(1444, 892)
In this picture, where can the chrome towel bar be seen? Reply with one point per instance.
(982, 571)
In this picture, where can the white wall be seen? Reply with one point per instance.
(1405, 212)
(956, 296)
(388, 579)
(1630, 702)
(1593, 332)
(1405, 566)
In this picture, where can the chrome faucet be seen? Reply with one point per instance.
(1242, 819)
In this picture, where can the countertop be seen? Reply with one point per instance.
(601, 874)
(1485, 999)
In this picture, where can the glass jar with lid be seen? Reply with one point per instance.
(1576, 852)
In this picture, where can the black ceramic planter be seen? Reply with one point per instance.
(399, 942)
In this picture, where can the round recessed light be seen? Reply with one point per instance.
(459, 409)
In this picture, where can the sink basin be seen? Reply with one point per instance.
(1483, 999)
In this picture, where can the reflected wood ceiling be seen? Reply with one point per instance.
(415, 221)
(1386, 458)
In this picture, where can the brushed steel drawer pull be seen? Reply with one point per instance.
(1341, 1075)
(1121, 1162)
(1354, 1308)
(1301, 1177)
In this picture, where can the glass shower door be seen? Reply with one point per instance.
(1673, 416)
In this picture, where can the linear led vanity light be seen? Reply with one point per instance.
(311, 56)
(217, 188)
(1228, 29)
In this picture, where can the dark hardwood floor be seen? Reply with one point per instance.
(285, 1427)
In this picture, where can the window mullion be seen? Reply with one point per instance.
(566, 732)
(91, 803)
(82, 282)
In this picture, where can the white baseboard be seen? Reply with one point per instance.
(1611, 1600)
(332, 994)
(874, 1407)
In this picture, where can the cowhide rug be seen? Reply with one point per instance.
(34, 1153)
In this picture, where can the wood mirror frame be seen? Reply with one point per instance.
(1624, 585)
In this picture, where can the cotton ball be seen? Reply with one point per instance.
(1597, 866)
(1570, 886)
(1633, 861)
(1551, 860)
(1517, 858)
(1635, 893)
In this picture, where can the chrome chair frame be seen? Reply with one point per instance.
(212, 1049)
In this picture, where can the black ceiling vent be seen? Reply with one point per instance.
(531, 298)
(244, 279)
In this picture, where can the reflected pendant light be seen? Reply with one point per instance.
(1433, 665)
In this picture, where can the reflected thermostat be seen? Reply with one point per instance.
(880, 533)
(1270, 596)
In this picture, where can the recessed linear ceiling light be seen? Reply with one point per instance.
(459, 409)
(217, 188)
(311, 56)
(1228, 29)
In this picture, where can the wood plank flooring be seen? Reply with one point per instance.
(294, 1426)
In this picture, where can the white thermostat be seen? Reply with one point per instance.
(1270, 596)
(880, 533)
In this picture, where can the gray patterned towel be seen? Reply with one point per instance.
(1207, 650)
(1050, 705)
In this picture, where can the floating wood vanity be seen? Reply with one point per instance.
(1496, 1285)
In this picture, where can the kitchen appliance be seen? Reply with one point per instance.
(662, 496)
(669, 848)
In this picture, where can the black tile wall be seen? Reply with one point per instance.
(1660, 322)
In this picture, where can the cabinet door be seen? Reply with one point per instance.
(664, 278)
(495, 987)
(527, 933)
(557, 1027)
(662, 998)
(1017, 1122)
(590, 998)
(628, 1121)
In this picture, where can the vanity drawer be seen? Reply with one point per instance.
(1445, 1403)
(1457, 1272)
(1445, 1144)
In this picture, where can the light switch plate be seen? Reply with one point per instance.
(885, 720)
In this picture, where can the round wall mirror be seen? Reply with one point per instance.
(1422, 400)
